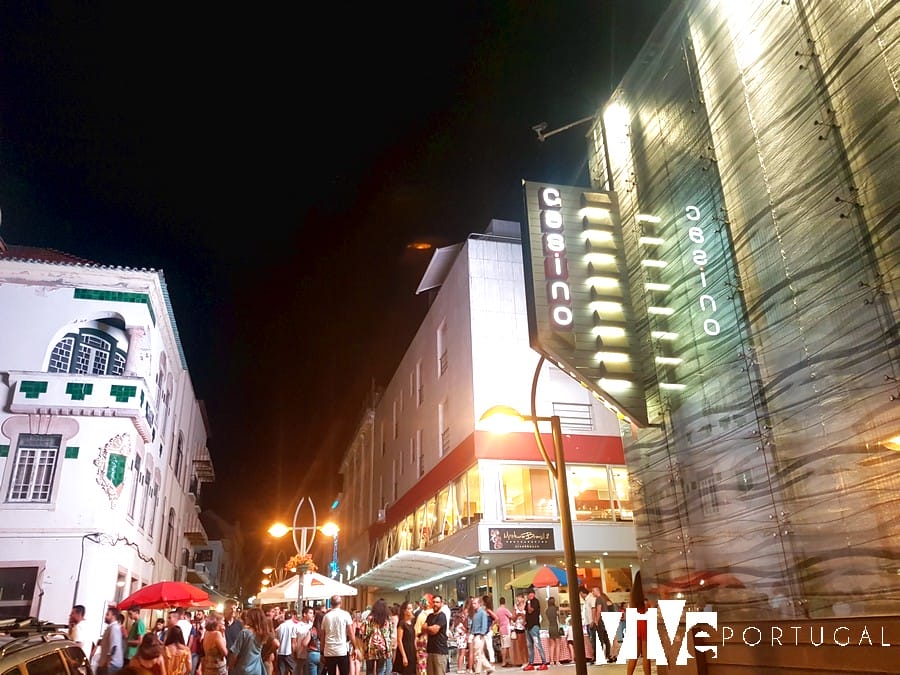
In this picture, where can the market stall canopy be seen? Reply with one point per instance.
(407, 569)
(165, 594)
(540, 577)
(315, 587)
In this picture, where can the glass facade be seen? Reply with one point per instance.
(597, 492)
(752, 184)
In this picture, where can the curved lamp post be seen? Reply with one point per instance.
(307, 536)
(501, 413)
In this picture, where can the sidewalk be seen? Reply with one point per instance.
(569, 669)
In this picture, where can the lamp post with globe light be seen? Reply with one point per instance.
(501, 417)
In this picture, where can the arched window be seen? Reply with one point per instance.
(179, 456)
(170, 534)
(154, 503)
(95, 349)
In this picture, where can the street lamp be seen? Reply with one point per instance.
(279, 529)
(501, 414)
(330, 529)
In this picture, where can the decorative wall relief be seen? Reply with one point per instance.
(111, 465)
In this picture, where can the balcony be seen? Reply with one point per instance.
(84, 396)
(198, 574)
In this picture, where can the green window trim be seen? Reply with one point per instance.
(122, 393)
(78, 391)
(115, 296)
(32, 388)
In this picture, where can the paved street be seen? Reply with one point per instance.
(569, 669)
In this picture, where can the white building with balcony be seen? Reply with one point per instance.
(435, 502)
(103, 444)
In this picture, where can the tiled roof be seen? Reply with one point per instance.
(50, 255)
(40, 254)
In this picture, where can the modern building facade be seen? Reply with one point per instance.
(103, 443)
(747, 167)
(435, 502)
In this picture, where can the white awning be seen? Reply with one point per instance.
(408, 569)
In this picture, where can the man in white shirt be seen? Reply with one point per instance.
(589, 601)
(286, 633)
(176, 618)
(78, 632)
(337, 637)
(301, 653)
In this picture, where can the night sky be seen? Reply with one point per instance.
(275, 165)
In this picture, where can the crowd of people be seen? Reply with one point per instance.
(409, 638)
(183, 643)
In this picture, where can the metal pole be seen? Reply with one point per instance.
(565, 522)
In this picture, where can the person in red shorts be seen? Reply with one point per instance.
(641, 631)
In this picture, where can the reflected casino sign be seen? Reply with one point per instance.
(522, 539)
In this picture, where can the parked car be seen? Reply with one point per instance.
(31, 647)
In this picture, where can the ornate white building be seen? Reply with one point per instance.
(103, 443)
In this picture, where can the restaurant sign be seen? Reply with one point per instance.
(522, 539)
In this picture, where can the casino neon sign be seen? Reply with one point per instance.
(556, 264)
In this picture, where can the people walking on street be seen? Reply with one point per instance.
(480, 631)
(435, 630)
(554, 635)
(215, 650)
(337, 638)
(504, 618)
(135, 632)
(112, 644)
(405, 656)
(287, 638)
(533, 632)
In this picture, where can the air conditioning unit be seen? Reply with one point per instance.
(382, 515)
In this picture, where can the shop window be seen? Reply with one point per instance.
(527, 493)
(600, 493)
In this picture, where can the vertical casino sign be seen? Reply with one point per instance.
(578, 294)
(556, 266)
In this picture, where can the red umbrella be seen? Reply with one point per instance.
(164, 594)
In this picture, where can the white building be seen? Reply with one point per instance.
(423, 476)
(103, 444)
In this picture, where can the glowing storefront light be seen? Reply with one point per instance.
(598, 236)
(608, 331)
(593, 212)
(605, 306)
(611, 384)
(600, 258)
(612, 357)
